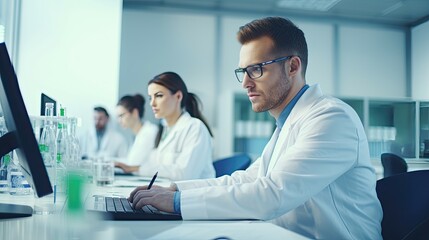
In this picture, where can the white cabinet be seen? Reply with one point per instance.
(252, 130)
(424, 130)
(397, 126)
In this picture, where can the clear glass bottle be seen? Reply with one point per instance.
(62, 152)
(4, 162)
(74, 143)
(18, 185)
(47, 144)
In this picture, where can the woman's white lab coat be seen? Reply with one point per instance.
(318, 182)
(112, 144)
(143, 145)
(186, 152)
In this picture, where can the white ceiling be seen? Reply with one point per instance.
(403, 13)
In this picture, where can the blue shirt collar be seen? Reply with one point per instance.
(286, 111)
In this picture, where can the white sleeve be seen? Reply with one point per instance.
(248, 175)
(325, 148)
(122, 146)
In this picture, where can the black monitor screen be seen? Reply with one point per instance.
(46, 99)
(20, 136)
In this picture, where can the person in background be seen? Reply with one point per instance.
(102, 140)
(130, 112)
(314, 176)
(184, 143)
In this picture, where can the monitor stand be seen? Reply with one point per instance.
(14, 211)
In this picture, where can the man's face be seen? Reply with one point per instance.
(100, 120)
(268, 92)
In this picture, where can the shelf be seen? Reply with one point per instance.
(391, 124)
(252, 130)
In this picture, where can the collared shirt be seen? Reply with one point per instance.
(286, 111)
(280, 122)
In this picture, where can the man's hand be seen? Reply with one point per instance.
(159, 197)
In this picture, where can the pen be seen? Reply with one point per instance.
(152, 181)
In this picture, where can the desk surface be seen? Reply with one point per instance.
(84, 226)
(53, 227)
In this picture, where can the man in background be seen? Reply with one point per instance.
(103, 140)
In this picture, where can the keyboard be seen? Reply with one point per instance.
(123, 205)
(117, 208)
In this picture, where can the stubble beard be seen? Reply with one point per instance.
(276, 96)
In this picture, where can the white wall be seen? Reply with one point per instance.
(320, 68)
(420, 61)
(70, 51)
(153, 43)
(372, 62)
(228, 84)
(204, 50)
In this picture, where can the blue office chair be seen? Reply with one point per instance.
(393, 164)
(227, 166)
(405, 201)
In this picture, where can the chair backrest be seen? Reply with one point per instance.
(227, 166)
(393, 164)
(405, 202)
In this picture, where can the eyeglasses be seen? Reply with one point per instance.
(255, 71)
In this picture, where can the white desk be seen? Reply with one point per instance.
(61, 226)
(52, 227)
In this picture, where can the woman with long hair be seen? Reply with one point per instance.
(130, 112)
(184, 142)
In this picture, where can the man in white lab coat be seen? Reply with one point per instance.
(314, 176)
(102, 140)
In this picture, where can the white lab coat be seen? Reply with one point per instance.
(143, 144)
(186, 152)
(113, 144)
(319, 181)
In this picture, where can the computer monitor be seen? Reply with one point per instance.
(46, 99)
(20, 136)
